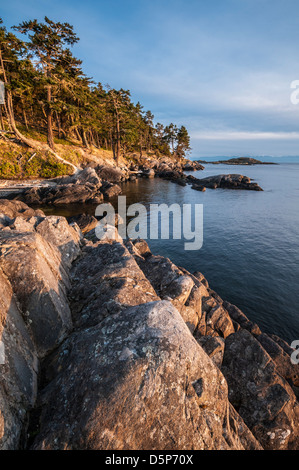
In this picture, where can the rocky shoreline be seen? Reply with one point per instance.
(108, 346)
(95, 182)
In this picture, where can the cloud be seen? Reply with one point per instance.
(236, 135)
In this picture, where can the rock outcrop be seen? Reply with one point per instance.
(107, 346)
(174, 170)
(170, 169)
(12, 209)
(39, 278)
(86, 186)
(224, 182)
(18, 369)
(262, 397)
(146, 385)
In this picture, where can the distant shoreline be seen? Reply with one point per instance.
(238, 161)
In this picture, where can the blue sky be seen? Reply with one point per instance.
(223, 68)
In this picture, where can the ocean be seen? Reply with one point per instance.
(250, 252)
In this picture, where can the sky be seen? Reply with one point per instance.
(222, 68)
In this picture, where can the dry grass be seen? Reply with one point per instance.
(20, 162)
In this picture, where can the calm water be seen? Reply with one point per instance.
(250, 253)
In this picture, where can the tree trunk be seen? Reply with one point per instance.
(24, 116)
(97, 141)
(10, 116)
(140, 148)
(92, 140)
(12, 124)
(113, 147)
(58, 125)
(8, 101)
(84, 139)
(1, 119)
(43, 111)
(78, 136)
(50, 120)
(111, 141)
(117, 139)
(7, 117)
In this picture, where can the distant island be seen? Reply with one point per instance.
(239, 161)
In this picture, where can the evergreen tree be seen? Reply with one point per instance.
(183, 142)
(10, 49)
(119, 104)
(46, 89)
(47, 42)
(170, 135)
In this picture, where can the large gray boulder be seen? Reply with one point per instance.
(137, 380)
(202, 313)
(87, 176)
(109, 173)
(59, 233)
(40, 282)
(18, 369)
(14, 209)
(106, 279)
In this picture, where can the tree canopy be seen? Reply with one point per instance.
(47, 89)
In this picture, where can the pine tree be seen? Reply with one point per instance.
(47, 42)
(170, 135)
(183, 142)
(119, 103)
(10, 49)
(46, 88)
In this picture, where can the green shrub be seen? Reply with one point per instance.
(44, 167)
(9, 170)
(51, 170)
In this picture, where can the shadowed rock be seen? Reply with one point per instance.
(214, 347)
(240, 318)
(281, 358)
(83, 187)
(18, 369)
(261, 396)
(14, 209)
(39, 281)
(111, 174)
(110, 190)
(59, 233)
(223, 181)
(85, 222)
